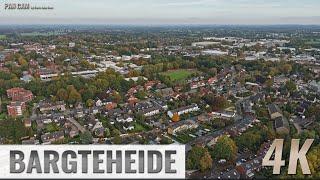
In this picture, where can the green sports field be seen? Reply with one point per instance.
(3, 36)
(179, 75)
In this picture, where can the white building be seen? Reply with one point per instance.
(151, 111)
(224, 114)
(72, 44)
(286, 48)
(124, 119)
(205, 43)
(183, 110)
(214, 52)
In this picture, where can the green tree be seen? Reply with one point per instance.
(86, 138)
(90, 103)
(141, 95)
(117, 139)
(225, 148)
(287, 68)
(314, 161)
(116, 132)
(205, 162)
(291, 86)
(107, 132)
(254, 138)
(216, 102)
(74, 96)
(199, 158)
(62, 94)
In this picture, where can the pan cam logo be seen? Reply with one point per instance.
(16, 6)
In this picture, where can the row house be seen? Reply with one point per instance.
(16, 108)
(19, 94)
(184, 110)
(177, 127)
(195, 85)
(148, 108)
(45, 106)
(150, 111)
(49, 138)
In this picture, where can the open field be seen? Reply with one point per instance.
(313, 42)
(3, 36)
(180, 74)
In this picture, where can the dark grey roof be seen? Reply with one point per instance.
(281, 122)
(184, 108)
(273, 109)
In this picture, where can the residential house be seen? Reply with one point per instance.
(165, 92)
(315, 86)
(247, 107)
(19, 94)
(27, 123)
(161, 103)
(98, 129)
(16, 108)
(195, 85)
(72, 132)
(49, 138)
(204, 118)
(132, 100)
(124, 118)
(151, 111)
(31, 141)
(128, 126)
(176, 127)
(274, 111)
(184, 110)
(110, 105)
(281, 125)
(147, 108)
(148, 85)
(212, 80)
(224, 114)
(45, 106)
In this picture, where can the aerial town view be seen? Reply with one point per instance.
(226, 92)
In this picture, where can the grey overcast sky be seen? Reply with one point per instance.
(165, 12)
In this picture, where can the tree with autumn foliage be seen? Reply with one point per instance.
(199, 158)
(205, 162)
(216, 102)
(175, 117)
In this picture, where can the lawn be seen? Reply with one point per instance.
(183, 138)
(179, 75)
(3, 37)
(139, 127)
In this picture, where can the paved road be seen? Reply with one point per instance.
(242, 121)
(238, 125)
(74, 122)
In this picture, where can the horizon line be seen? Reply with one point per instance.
(160, 24)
